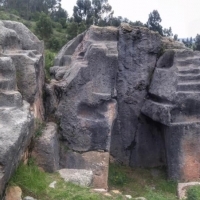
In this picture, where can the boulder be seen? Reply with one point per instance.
(134, 141)
(20, 55)
(174, 102)
(77, 176)
(13, 193)
(46, 148)
(82, 95)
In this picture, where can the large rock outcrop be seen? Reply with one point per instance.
(83, 94)
(174, 102)
(21, 84)
(109, 83)
(123, 91)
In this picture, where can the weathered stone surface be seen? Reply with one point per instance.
(80, 177)
(28, 63)
(106, 73)
(82, 96)
(13, 193)
(25, 37)
(98, 162)
(20, 64)
(133, 141)
(46, 148)
(174, 102)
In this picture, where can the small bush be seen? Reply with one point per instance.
(49, 59)
(39, 128)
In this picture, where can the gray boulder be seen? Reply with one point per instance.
(77, 176)
(46, 148)
(82, 93)
(174, 103)
(19, 94)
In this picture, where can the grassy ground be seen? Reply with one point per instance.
(35, 183)
(148, 183)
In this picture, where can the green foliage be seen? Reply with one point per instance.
(49, 59)
(188, 42)
(154, 21)
(35, 183)
(193, 193)
(176, 37)
(153, 24)
(117, 177)
(141, 182)
(72, 30)
(30, 179)
(44, 27)
(39, 127)
(197, 43)
(167, 32)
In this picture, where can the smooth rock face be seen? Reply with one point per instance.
(46, 148)
(21, 83)
(77, 176)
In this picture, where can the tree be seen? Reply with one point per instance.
(176, 37)
(167, 32)
(60, 15)
(197, 42)
(44, 26)
(82, 11)
(153, 22)
(102, 11)
(188, 42)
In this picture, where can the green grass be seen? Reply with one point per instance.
(140, 182)
(134, 182)
(193, 193)
(35, 183)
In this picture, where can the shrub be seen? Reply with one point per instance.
(49, 59)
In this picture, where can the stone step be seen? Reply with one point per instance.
(189, 61)
(7, 84)
(189, 86)
(10, 99)
(187, 70)
(188, 77)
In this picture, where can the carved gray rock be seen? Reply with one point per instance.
(174, 103)
(18, 58)
(133, 141)
(46, 148)
(83, 90)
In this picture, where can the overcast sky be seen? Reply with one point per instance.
(182, 15)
